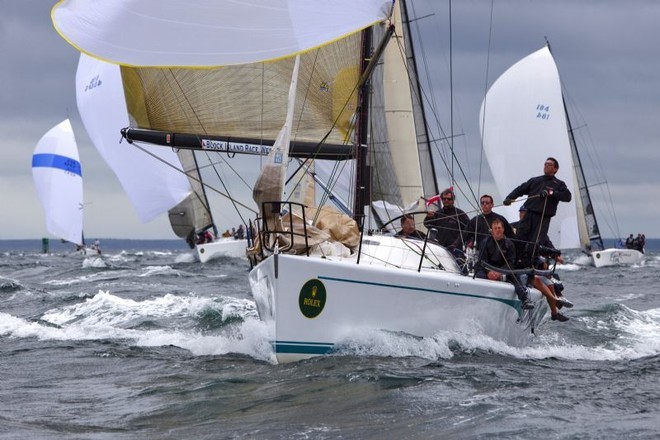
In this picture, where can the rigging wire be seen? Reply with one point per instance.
(138, 146)
(306, 165)
(451, 93)
(483, 116)
(595, 161)
(449, 160)
(333, 126)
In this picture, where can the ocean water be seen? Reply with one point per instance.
(146, 343)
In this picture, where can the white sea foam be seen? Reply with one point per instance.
(653, 261)
(186, 257)
(382, 343)
(96, 262)
(160, 253)
(582, 260)
(105, 309)
(122, 257)
(638, 336)
(90, 278)
(106, 316)
(8, 283)
(630, 334)
(250, 338)
(570, 267)
(159, 270)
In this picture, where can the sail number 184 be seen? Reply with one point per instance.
(543, 111)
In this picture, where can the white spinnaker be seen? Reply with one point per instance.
(523, 122)
(151, 185)
(203, 33)
(58, 179)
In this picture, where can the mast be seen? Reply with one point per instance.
(593, 232)
(204, 200)
(399, 152)
(363, 173)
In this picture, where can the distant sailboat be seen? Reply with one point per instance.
(57, 177)
(524, 120)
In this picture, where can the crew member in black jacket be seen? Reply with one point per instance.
(449, 221)
(478, 227)
(544, 194)
(499, 252)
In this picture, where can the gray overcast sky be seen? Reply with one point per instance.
(607, 52)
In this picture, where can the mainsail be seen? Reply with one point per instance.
(253, 105)
(58, 179)
(402, 173)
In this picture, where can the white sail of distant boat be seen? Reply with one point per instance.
(58, 180)
(524, 121)
(320, 279)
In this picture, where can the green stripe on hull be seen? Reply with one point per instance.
(509, 302)
(303, 348)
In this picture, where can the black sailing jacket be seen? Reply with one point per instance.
(533, 187)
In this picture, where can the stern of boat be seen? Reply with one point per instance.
(222, 247)
(616, 257)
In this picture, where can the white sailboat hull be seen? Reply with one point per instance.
(87, 251)
(616, 257)
(222, 247)
(312, 304)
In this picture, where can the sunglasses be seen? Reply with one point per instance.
(448, 199)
